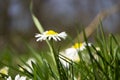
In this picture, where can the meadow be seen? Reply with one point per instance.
(74, 59)
(80, 61)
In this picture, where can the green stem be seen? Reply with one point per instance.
(55, 55)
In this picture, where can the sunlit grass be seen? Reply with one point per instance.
(98, 61)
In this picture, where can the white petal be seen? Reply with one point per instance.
(62, 35)
(84, 44)
(38, 35)
(49, 37)
(58, 38)
(89, 44)
(9, 78)
(70, 52)
(41, 38)
(23, 78)
(54, 38)
(65, 63)
(17, 77)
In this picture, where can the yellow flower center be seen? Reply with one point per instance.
(77, 45)
(51, 32)
(4, 71)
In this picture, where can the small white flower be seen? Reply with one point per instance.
(51, 35)
(72, 53)
(4, 70)
(18, 77)
(29, 62)
(9, 78)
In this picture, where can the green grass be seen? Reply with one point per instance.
(105, 67)
(103, 64)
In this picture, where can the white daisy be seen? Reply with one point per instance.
(18, 77)
(4, 70)
(51, 35)
(9, 78)
(72, 53)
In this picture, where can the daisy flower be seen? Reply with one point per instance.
(72, 53)
(9, 78)
(50, 34)
(17, 77)
(4, 70)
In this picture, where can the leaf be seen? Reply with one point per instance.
(37, 24)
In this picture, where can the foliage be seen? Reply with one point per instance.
(94, 64)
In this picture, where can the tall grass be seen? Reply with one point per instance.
(94, 64)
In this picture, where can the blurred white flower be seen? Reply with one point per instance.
(29, 63)
(51, 35)
(9, 78)
(4, 70)
(72, 53)
(18, 77)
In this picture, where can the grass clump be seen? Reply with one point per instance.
(82, 61)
